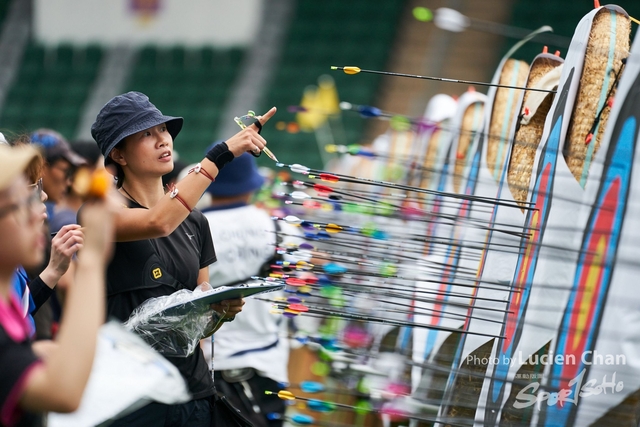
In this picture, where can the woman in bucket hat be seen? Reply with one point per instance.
(45, 377)
(162, 245)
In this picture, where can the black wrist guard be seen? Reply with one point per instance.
(220, 155)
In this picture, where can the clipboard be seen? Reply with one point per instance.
(222, 293)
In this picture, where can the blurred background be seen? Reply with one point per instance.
(212, 60)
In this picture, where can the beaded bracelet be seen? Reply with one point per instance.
(199, 169)
(173, 193)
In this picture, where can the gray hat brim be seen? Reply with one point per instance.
(75, 159)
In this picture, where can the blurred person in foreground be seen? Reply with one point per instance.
(34, 289)
(45, 377)
(251, 354)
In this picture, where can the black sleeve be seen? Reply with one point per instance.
(40, 292)
(207, 251)
(16, 360)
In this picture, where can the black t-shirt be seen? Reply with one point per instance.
(16, 359)
(143, 269)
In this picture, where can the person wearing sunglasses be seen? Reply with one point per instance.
(35, 288)
(162, 243)
(35, 379)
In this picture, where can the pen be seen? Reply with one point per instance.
(56, 232)
(270, 154)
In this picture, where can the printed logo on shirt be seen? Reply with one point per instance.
(157, 273)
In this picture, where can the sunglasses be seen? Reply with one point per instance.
(37, 188)
(27, 207)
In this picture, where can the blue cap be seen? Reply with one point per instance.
(238, 177)
(125, 115)
(55, 146)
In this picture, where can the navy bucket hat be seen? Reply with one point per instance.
(241, 176)
(125, 115)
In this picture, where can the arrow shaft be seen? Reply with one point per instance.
(446, 80)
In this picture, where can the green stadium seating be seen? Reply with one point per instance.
(50, 89)
(192, 83)
(332, 32)
(4, 9)
(53, 83)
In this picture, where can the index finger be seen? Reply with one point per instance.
(64, 230)
(69, 227)
(266, 116)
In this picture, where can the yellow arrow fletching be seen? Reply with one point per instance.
(286, 395)
(333, 228)
(303, 265)
(331, 148)
(351, 70)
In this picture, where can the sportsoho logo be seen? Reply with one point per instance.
(576, 389)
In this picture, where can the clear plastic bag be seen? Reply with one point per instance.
(174, 324)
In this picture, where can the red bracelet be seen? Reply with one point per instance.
(173, 193)
(199, 169)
